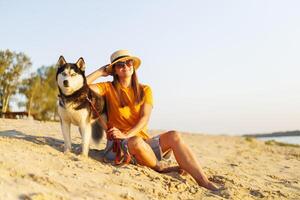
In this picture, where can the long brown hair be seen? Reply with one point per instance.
(137, 88)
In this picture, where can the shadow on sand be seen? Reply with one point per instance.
(40, 140)
(58, 145)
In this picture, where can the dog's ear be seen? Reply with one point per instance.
(61, 61)
(81, 64)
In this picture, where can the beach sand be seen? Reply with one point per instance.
(33, 166)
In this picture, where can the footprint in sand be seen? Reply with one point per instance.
(257, 193)
(39, 196)
(127, 195)
(116, 172)
(46, 181)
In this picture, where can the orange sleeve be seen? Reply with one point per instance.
(148, 95)
(102, 88)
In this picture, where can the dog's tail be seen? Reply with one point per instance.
(97, 132)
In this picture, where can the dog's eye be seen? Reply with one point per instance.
(73, 74)
(64, 73)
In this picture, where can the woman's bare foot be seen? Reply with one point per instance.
(210, 186)
(161, 167)
(164, 168)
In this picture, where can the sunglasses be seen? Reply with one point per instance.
(122, 64)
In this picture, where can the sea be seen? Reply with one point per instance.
(285, 139)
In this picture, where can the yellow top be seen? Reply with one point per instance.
(127, 117)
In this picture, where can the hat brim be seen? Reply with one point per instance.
(136, 63)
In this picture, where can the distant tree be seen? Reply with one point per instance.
(12, 65)
(41, 93)
(31, 88)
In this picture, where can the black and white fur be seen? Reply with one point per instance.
(73, 106)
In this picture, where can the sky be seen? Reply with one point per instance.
(216, 67)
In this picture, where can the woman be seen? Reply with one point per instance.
(129, 107)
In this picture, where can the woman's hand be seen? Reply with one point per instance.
(104, 71)
(115, 133)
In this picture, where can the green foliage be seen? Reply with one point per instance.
(12, 65)
(41, 93)
(40, 89)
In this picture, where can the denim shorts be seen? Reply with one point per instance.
(153, 142)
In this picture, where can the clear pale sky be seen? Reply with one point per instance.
(229, 67)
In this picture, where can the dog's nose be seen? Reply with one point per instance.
(66, 83)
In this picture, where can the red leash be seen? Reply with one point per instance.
(116, 142)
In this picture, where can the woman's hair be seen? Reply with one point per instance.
(137, 88)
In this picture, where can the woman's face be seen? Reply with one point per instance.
(124, 68)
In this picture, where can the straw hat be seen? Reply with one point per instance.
(122, 55)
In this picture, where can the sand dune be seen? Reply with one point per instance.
(32, 166)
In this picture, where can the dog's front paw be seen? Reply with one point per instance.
(67, 151)
(81, 157)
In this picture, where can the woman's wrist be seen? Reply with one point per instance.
(129, 134)
(93, 76)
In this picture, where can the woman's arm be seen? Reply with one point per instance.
(144, 118)
(96, 74)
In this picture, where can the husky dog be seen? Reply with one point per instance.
(74, 104)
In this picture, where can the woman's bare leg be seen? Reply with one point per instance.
(142, 152)
(185, 158)
(145, 155)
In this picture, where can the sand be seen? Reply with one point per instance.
(33, 166)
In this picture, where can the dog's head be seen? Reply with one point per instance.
(70, 76)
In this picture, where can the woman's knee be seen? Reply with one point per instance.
(170, 140)
(174, 136)
(135, 143)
